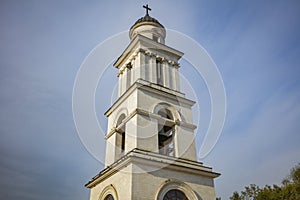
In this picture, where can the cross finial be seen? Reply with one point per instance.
(147, 9)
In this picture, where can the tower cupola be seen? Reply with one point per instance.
(148, 27)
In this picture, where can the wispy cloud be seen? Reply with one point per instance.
(255, 45)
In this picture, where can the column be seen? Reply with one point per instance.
(133, 78)
(177, 83)
(153, 75)
(174, 76)
(123, 81)
(165, 74)
(147, 67)
(137, 66)
(120, 83)
(171, 78)
(142, 65)
(128, 78)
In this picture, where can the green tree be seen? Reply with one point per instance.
(289, 190)
(235, 196)
(250, 192)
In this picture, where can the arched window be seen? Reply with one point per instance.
(120, 137)
(109, 197)
(166, 133)
(108, 193)
(175, 195)
(176, 190)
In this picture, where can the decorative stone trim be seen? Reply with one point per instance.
(110, 133)
(146, 42)
(154, 159)
(144, 85)
(120, 73)
(173, 184)
(145, 113)
(185, 125)
(109, 190)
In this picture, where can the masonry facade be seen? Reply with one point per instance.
(150, 150)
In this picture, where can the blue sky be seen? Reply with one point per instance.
(255, 45)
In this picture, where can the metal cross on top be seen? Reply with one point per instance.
(147, 8)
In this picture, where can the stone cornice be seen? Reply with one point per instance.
(185, 124)
(153, 88)
(158, 161)
(160, 119)
(150, 44)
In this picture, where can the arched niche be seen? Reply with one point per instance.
(177, 190)
(109, 193)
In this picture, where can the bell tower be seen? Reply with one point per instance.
(150, 149)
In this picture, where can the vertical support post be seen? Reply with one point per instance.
(171, 84)
(123, 81)
(147, 68)
(166, 74)
(177, 83)
(133, 78)
(174, 78)
(153, 77)
(142, 65)
(137, 70)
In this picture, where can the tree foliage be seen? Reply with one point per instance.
(288, 190)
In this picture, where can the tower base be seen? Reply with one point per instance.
(142, 175)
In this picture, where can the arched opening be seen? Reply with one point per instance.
(175, 195)
(120, 137)
(109, 193)
(166, 133)
(177, 190)
(109, 197)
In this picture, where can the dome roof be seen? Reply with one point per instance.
(146, 18)
(148, 27)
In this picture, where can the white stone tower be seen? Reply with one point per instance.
(150, 151)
